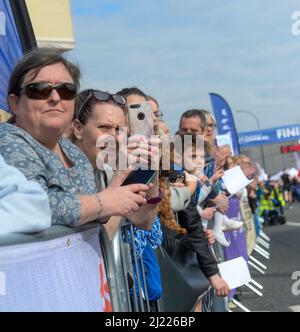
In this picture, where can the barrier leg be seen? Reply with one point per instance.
(141, 293)
(262, 250)
(256, 267)
(240, 305)
(264, 236)
(258, 262)
(261, 253)
(262, 242)
(254, 289)
(256, 284)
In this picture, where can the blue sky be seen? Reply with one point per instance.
(180, 50)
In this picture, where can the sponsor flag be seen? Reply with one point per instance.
(16, 37)
(224, 119)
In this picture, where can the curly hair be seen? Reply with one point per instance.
(165, 211)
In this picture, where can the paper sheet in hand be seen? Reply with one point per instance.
(235, 180)
(225, 140)
(235, 272)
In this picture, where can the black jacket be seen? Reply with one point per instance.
(194, 241)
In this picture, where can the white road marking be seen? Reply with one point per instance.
(297, 224)
(295, 308)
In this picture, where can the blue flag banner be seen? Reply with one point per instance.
(10, 48)
(224, 119)
(269, 136)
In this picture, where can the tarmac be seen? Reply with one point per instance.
(281, 282)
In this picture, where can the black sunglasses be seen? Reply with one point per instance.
(42, 90)
(101, 96)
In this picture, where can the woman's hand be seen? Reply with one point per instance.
(191, 182)
(143, 152)
(120, 200)
(220, 154)
(116, 200)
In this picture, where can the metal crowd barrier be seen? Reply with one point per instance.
(128, 290)
(59, 269)
(127, 287)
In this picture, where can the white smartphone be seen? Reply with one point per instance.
(140, 119)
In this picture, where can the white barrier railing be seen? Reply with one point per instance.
(62, 274)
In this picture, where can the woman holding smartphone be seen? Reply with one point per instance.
(41, 95)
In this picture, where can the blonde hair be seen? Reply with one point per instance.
(210, 144)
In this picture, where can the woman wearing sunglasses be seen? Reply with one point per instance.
(41, 95)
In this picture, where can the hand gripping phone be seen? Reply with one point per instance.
(140, 120)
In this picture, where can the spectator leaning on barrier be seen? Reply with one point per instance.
(209, 195)
(24, 205)
(100, 115)
(180, 194)
(219, 155)
(41, 95)
(147, 241)
(192, 242)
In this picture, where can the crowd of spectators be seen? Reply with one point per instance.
(50, 174)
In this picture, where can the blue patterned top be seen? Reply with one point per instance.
(141, 237)
(40, 164)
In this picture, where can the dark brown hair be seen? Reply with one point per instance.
(84, 106)
(36, 60)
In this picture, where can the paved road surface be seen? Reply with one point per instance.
(285, 259)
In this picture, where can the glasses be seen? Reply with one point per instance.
(211, 126)
(102, 96)
(158, 114)
(43, 90)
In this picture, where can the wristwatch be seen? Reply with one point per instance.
(157, 199)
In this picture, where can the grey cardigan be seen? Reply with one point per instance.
(180, 198)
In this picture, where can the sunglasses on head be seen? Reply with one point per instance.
(102, 96)
(43, 90)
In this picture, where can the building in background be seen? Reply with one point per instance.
(275, 149)
(52, 23)
(273, 159)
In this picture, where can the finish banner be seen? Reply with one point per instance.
(269, 136)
